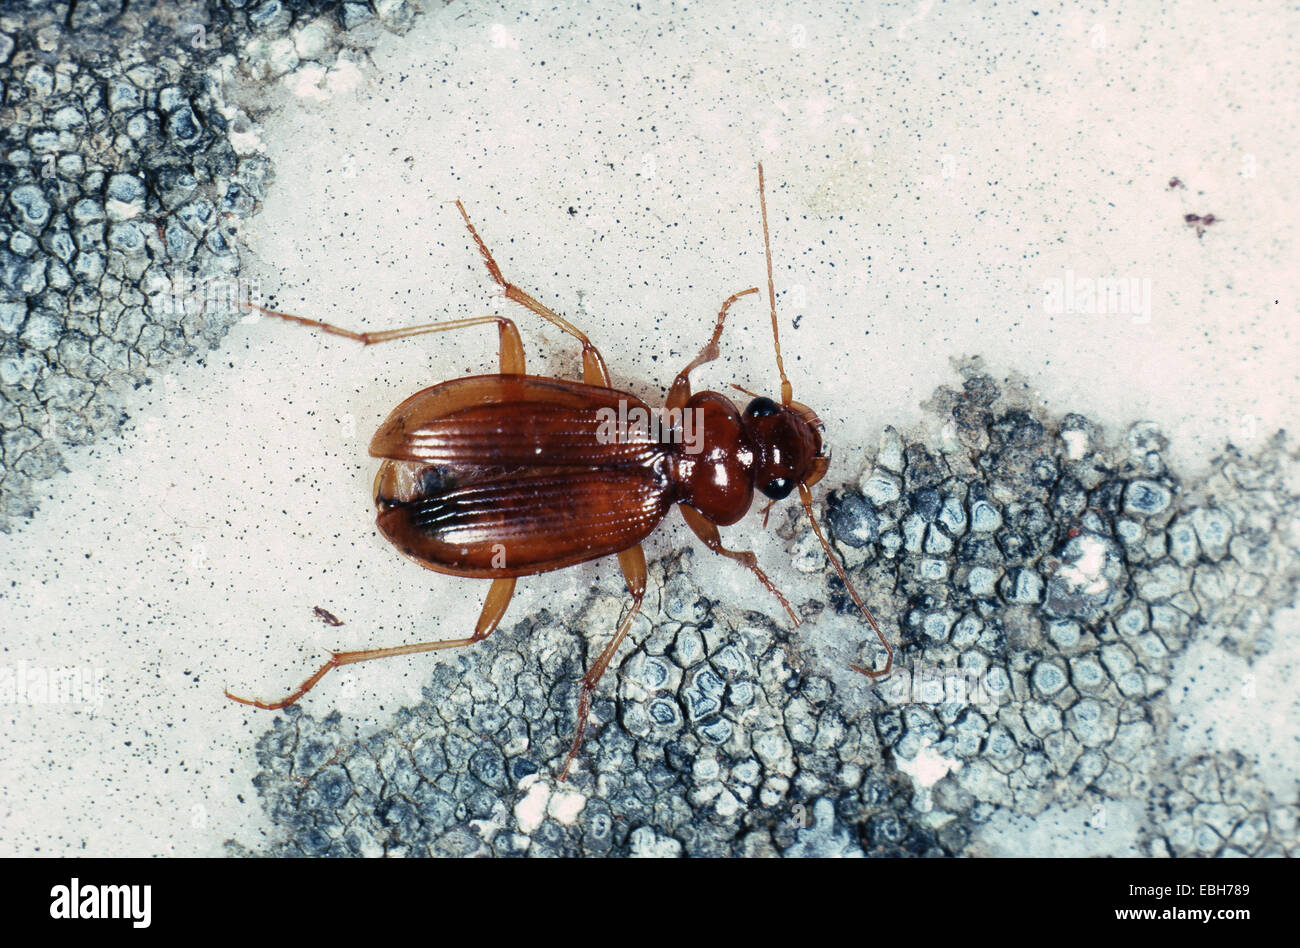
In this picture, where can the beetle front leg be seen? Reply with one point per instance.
(680, 392)
(494, 608)
(634, 571)
(707, 531)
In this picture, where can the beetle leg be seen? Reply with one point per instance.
(594, 370)
(510, 346)
(632, 561)
(680, 393)
(511, 350)
(707, 531)
(494, 608)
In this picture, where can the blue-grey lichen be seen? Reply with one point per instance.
(1215, 806)
(1043, 583)
(710, 737)
(1037, 674)
(125, 175)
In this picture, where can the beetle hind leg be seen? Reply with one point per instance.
(634, 571)
(494, 607)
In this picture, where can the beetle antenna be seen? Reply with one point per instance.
(787, 392)
(805, 497)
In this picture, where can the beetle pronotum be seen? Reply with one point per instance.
(507, 475)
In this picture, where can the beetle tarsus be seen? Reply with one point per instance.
(305, 687)
(889, 666)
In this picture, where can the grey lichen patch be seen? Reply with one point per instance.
(1030, 671)
(127, 171)
(1216, 806)
(709, 737)
(1079, 572)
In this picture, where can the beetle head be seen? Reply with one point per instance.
(788, 448)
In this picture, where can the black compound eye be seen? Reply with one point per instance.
(762, 407)
(778, 488)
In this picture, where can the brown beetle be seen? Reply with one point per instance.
(507, 475)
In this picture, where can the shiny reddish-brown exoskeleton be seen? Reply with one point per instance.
(507, 475)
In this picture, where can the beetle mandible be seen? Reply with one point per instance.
(508, 475)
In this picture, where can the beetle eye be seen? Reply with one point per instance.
(762, 407)
(778, 488)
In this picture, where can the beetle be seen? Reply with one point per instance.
(508, 475)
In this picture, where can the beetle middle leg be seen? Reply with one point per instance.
(594, 370)
(494, 608)
(632, 561)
